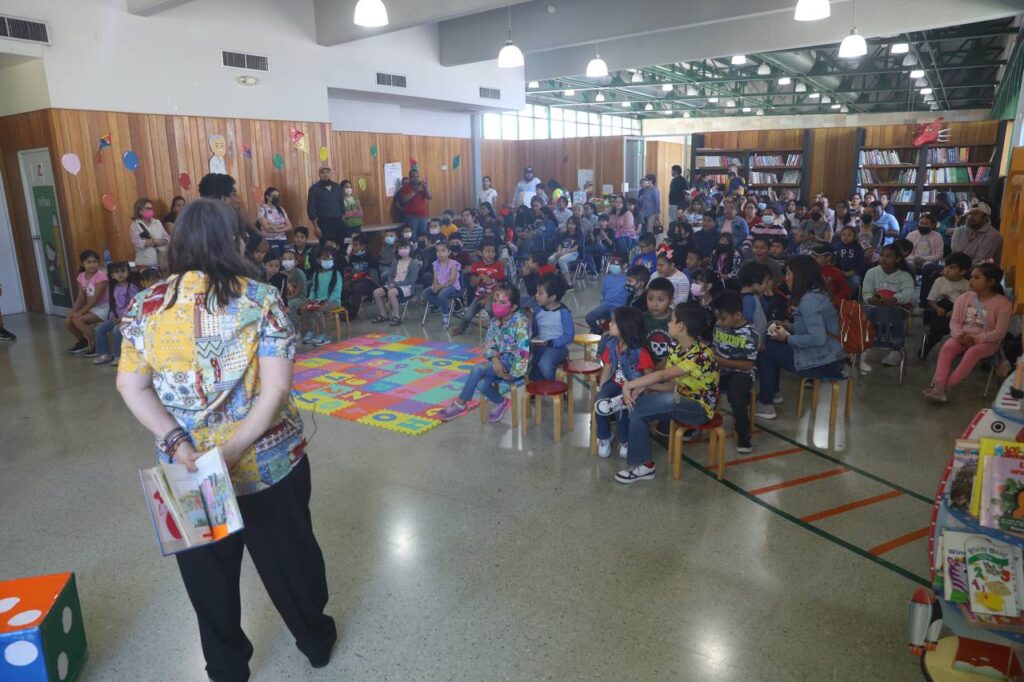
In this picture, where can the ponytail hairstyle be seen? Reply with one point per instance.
(992, 273)
(630, 322)
(266, 199)
(698, 320)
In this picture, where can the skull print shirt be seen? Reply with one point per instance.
(659, 343)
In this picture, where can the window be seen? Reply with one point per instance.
(509, 127)
(492, 126)
(538, 122)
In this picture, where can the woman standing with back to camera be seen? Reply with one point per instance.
(207, 362)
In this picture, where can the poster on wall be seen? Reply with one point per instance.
(54, 248)
(392, 177)
(584, 177)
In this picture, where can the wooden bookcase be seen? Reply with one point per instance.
(765, 168)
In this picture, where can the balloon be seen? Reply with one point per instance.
(323, 153)
(72, 164)
(131, 161)
(362, 184)
(109, 202)
(373, 150)
(278, 161)
(185, 181)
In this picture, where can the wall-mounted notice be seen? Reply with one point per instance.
(392, 177)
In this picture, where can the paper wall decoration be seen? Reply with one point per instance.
(278, 161)
(324, 153)
(219, 147)
(105, 142)
(185, 181)
(130, 160)
(373, 150)
(247, 151)
(456, 161)
(299, 140)
(72, 164)
(362, 184)
(109, 202)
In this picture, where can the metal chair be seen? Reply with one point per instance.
(579, 274)
(890, 323)
(456, 305)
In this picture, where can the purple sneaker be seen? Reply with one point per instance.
(453, 410)
(499, 411)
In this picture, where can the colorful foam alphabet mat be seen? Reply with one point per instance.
(396, 383)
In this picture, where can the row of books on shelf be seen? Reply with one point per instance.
(903, 195)
(776, 194)
(786, 178)
(757, 160)
(718, 179)
(907, 176)
(959, 174)
(881, 157)
(952, 155)
(717, 161)
(930, 196)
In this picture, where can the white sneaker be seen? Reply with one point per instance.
(604, 447)
(623, 450)
(633, 474)
(606, 407)
(765, 411)
(744, 449)
(777, 398)
(892, 359)
(863, 366)
(308, 338)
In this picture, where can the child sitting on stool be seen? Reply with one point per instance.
(613, 293)
(625, 358)
(736, 343)
(553, 328)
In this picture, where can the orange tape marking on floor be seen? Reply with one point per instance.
(758, 458)
(850, 507)
(899, 542)
(798, 481)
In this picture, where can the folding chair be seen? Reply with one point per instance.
(579, 274)
(890, 324)
(456, 305)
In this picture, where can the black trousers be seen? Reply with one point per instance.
(279, 535)
(737, 386)
(333, 229)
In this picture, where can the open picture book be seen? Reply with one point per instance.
(191, 508)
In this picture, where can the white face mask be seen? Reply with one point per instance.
(288, 265)
(768, 219)
(348, 191)
(327, 264)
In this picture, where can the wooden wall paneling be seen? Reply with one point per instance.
(831, 162)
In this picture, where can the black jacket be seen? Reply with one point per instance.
(677, 191)
(325, 201)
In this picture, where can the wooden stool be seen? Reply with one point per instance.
(337, 313)
(554, 389)
(513, 397)
(586, 340)
(834, 407)
(716, 446)
(590, 370)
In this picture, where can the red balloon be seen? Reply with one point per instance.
(185, 181)
(109, 202)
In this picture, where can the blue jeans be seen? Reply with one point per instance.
(601, 312)
(483, 378)
(854, 282)
(418, 225)
(604, 424)
(547, 361)
(103, 347)
(564, 261)
(655, 406)
(778, 356)
(625, 244)
(441, 299)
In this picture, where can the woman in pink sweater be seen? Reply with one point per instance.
(978, 325)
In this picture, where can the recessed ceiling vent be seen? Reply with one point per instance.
(490, 93)
(24, 29)
(241, 60)
(391, 80)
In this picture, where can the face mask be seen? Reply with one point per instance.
(630, 289)
(360, 252)
(615, 268)
(435, 230)
(288, 265)
(696, 289)
(407, 235)
(501, 309)
(276, 201)
(762, 206)
(768, 220)
(324, 183)
(961, 210)
(403, 253)
(455, 248)
(815, 216)
(923, 230)
(147, 214)
(389, 239)
(327, 264)
(348, 191)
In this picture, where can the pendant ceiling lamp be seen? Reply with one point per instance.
(812, 10)
(510, 56)
(371, 14)
(597, 67)
(600, 97)
(853, 45)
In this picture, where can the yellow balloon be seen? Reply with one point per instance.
(362, 184)
(323, 153)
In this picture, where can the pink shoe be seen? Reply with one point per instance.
(453, 410)
(499, 411)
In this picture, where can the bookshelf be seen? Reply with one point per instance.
(716, 161)
(765, 169)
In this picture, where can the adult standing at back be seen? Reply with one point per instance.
(234, 396)
(148, 235)
(526, 189)
(272, 220)
(177, 205)
(677, 190)
(413, 198)
(649, 200)
(978, 238)
(325, 208)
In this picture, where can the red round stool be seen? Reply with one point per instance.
(590, 370)
(716, 445)
(555, 390)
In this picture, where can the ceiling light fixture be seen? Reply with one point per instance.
(812, 10)
(844, 109)
(929, 98)
(533, 84)
(510, 56)
(746, 110)
(785, 80)
(570, 93)
(826, 100)
(917, 73)
(764, 70)
(800, 87)
(926, 91)
(814, 95)
(934, 106)
(899, 48)
(648, 107)
(712, 100)
(597, 67)
(920, 83)
(247, 80)
(370, 14)
(691, 91)
(730, 103)
(600, 97)
(853, 45)
(759, 112)
(624, 104)
(910, 60)
(837, 106)
(667, 112)
(738, 60)
(686, 114)
(667, 87)
(637, 77)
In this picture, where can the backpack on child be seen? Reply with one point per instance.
(856, 333)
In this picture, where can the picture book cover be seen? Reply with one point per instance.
(954, 566)
(1002, 495)
(961, 477)
(991, 447)
(991, 573)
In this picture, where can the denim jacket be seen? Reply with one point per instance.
(815, 337)
(630, 360)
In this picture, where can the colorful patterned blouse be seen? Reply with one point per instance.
(510, 342)
(205, 371)
(700, 383)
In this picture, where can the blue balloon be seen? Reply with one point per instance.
(131, 161)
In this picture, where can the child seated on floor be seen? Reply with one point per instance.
(939, 304)
(835, 281)
(680, 282)
(659, 310)
(399, 284)
(506, 355)
(725, 259)
(613, 293)
(754, 280)
(295, 288)
(636, 287)
(978, 325)
(888, 284)
(646, 256)
(484, 275)
(625, 358)
(553, 328)
(736, 343)
(324, 296)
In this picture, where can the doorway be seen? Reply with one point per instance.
(50, 244)
(633, 164)
(12, 301)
